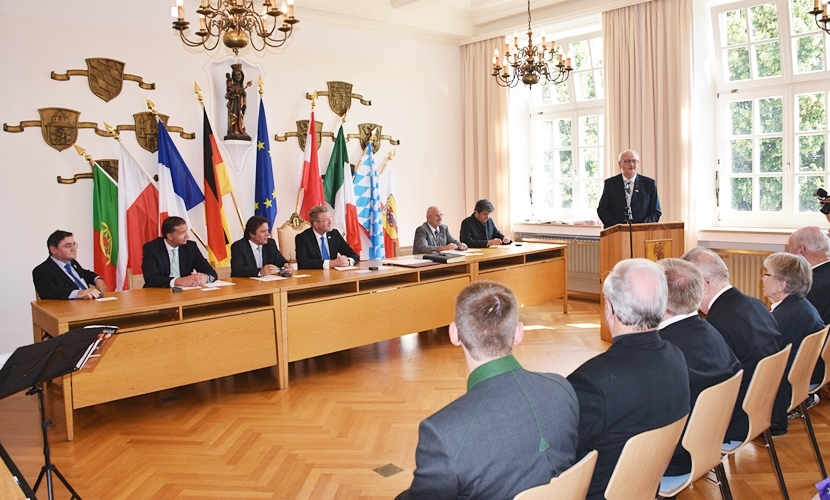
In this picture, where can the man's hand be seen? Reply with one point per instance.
(448, 246)
(89, 293)
(101, 285)
(268, 269)
(494, 242)
(506, 240)
(463, 246)
(195, 279)
(340, 261)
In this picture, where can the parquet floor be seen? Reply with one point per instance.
(344, 415)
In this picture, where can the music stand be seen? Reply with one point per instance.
(31, 365)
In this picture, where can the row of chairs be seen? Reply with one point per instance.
(639, 471)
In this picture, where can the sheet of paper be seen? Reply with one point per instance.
(104, 299)
(345, 268)
(190, 287)
(209, 289)
(220, 283)
(270, 277)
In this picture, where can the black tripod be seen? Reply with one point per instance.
(48, 467)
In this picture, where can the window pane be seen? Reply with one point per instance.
(590, 193)
(741, 156)
(742, 194)
(589, 130)
(584, 84)
(741, 112)
(736, 27)
(768, 59)
(771, 115)
(566, 194)
(771, 154)
(561, 93)
(581, 55)
(541, 96)
(738, 64)
(590, 162)
(549, 199)
(807, 185)
(546, 134)
(764, 22)
(565, 164)
(811, 113)
(802, 20)
(811, 153)
(547, 163)
(809, 53)
(563, 133)
(771, 193)
(596, 51)
(599, 83)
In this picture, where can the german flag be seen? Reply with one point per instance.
(217, 184)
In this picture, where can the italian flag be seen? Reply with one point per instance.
(105, 224)
(339, 193)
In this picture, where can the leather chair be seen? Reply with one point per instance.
(286, 234)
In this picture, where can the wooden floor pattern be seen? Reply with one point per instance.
(344, 415)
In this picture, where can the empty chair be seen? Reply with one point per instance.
(758, 407)
(642, 462)
(286, 234)
(570, 485)
(704, 434)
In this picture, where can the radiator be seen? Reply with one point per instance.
(745, 270)
(583, 259)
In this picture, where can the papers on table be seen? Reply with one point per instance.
(190, 287)
(104, 299)
(220, 283)
(462, 252)
(405, 262)
(345, 268)
(270, 277)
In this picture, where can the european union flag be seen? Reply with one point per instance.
(265, 196)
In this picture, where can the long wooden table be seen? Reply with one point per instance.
(170, 339)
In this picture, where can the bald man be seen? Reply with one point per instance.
(432, 236)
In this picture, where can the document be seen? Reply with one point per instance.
(220, 283)
(270, 277)
(462, 252)
(345, 268)
(190, 287)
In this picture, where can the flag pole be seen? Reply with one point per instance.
(389, 157)
(199, 238)
(82, 152)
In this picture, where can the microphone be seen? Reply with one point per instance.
(629, 217)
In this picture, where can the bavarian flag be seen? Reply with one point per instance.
(217, 184)
(105, 224)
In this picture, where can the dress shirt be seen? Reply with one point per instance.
(257, 250)
(174, 264)
(320, 244)
(75, 277)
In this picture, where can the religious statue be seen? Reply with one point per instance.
(236, 95)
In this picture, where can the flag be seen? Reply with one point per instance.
(138, 215)
(265, 196)
(311, 183)
(389, 211)
(339, 192)
(367, 192)
(217, 184)
(105, 224)
(178, 190)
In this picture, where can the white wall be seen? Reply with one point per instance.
(414, 86)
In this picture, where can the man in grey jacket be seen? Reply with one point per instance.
(433, 237)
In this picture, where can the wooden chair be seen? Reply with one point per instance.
(642, 463)
(825, 356)
(135, 280)
(704, 435)
(758, 407)
(799, 377)
(570, 485)
(286, 234)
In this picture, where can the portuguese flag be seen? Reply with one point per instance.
(105, 224)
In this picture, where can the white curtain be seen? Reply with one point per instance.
(648, 64)
(486, 165)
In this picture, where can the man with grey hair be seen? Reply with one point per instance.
(512, 430)
(432, 236)
(629, 195)
(813, 244)
(640, 383)
(745, 324)
(708, 358)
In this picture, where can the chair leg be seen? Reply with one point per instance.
(723, 483)
(812, 434)
(776, 465)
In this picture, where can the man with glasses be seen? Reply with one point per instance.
(629, 195)
(432, 236)
(61, 277)
(320, 247)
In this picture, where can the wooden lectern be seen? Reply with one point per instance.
(653, 241)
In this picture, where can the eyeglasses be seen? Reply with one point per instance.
(69, 246)
(769, 275)
(327, 219)
(631, 162)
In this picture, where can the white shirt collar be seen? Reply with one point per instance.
(775, 304)
(168, 246)
(675, 319)
(632, 179)
(253, 245)
(318, 234)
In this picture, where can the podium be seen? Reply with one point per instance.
(653, 241)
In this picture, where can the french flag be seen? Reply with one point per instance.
(178, 190)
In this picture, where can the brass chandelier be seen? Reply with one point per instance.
(530, 64)
(236, 23)
(820, 12)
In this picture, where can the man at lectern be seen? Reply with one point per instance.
(171, 260)
(629, 195)
(61, 277)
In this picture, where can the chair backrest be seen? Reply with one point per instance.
(762, 391)
(286, 234)
(803, 366)
(570, 485)
(825, 356)
(642, 463)
(135, 280)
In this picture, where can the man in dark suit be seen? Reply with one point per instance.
(812, 243)
(641, 382)
(708, 358)
(512, 430)
(745, 324)
(256, 254)
(61, 277)
(479, 231)
(320, 247)
(171, 260)
(629, 189)
(432, 236)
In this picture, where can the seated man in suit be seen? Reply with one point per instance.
(61, 277)
(746, 325)
(170, 260)
(256, 254)
(813, 244)
(708, 358)
(479, 231)
(512, 430)
(320, 247)
(432, 236)
(629, 190)
(641, 382)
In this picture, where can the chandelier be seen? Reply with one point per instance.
(236, 23)
(821, 15)
(530, 64)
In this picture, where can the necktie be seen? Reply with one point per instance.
(78, 282)
(259, 256)
(628, 183)
(175, 272)
(436, 238)
(323, 250)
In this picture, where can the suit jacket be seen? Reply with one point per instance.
(819, 294)
(752, 334)
(488, 444)
(796, 319)
(308, 249)
(475, 234)
(51, 282)
(425, 238)
(243, 262)
(156, 263)
(709, 362)
(645, 206)
(640, 383)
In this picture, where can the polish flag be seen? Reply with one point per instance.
(138, 215)
(311, 183)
